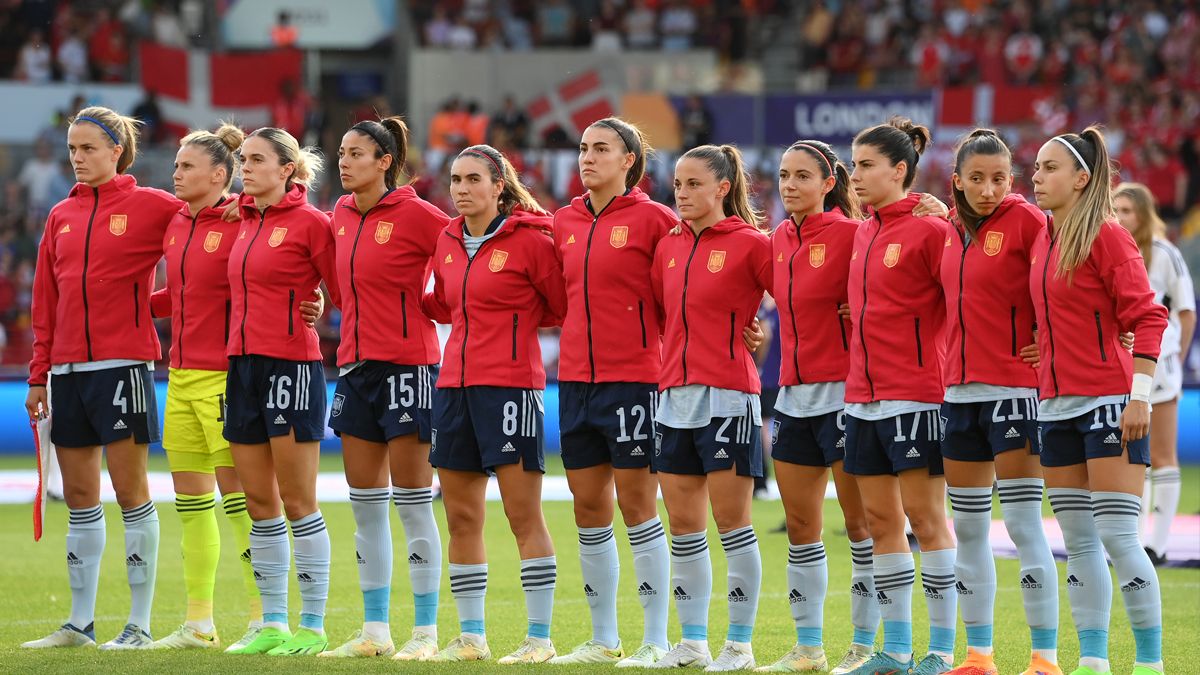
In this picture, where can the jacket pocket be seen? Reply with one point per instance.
(514, 337)
(920, 352)
(228, 318)
(642, 320)
(1100, 337)
(404, 313)
(137, 307)
(291, 318)
(732, 332)
(837, 309)
(1013, 322)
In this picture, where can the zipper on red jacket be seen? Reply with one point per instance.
(1046, 301)
(291, 303)
(403, 317)
(587, 301)
(962, 322)
(514, 337)
(462, 376)
(1100, 337)
(687, 271)
(183, 288)
(353, 286)
(87, 248)
(137, 307)
(1012, 319)
(262, 217)
(642, 320)
(862, 314)
(791, 303)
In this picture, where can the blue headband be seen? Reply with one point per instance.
(102, 125)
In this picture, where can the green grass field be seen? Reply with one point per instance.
(36, 599)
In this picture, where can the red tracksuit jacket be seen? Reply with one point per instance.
(495, 302)
(710, 286)
(279, 257)
(1080, 320)
(382, 259)
(812, 261)
(612, 329)
(989, 314)
(897, 307)
(197, 250)
(95, 273)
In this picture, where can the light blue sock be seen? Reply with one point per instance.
(864, 608)
(373, 550)
(691, 581)
(141, 561)
(894, 577)
(937, 577)
(312, 568)
(601, 570)
(86, 537)
(1089, 586)
(415, 506)
(808, 579)
(652, 567)
(538, 576)
(1021, 504)
(744, 581)
(270, 556)
(974, 566)
(468, 585)
(1116, 516)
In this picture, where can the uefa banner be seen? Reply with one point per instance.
(836, 118)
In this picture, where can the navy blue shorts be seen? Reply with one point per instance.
(379, 401)
(98, 407)
(725, 442)
(266, 397)
(977, 432)
(481, 428)
(819, 440)
(606, 423)
(894, 444)
(1092, 435)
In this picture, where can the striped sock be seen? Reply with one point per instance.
(415, 508)
(1089, 586)
(1116, 515)
(468, 585)
(601, 570)
(864, 608)
(86, 537)
(808, 579)
(234, 504)
(895, 574)
(1021, 504)
(744, 580)
(691, 579)
(311, 541)
(538, 576)
(652, 566)
(373, 552)
(271, 558)
(974, 566)
(141, 561)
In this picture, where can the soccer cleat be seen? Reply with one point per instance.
(531, 650)
(1038, 665)
(882, 664)
(801, 659)
(252, 632)
(1156, 559)
(186, 637)
(855, 656)
(131, 637)
(264, 640)
(304, 642)
(976, 664)
(1146, 670)
(590, 652)
(645, 656)
(420, 647)
(684, 655)
(932, 664)
(464, 648)
(66, 636)
(1084, 670)
(360, 646)
(733, 656)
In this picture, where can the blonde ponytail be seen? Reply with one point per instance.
(1077, 231)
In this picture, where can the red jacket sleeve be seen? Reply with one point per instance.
(1125, 279)
(433, 302)
(324, 258)
(545, 272)
(656, 280)
(45, 303)
(763, 274)
(160, 304)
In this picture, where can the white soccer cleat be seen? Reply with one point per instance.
(531, 650)
(131, 637)
(686, 654)
(186, 637)
(590, 652)
(421, 647)
(360, 646)
(646, 655)
(66, 636)
(801, 659)
(733, 656)
(252, 632)
(855, 656)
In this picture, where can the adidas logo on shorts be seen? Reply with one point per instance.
(1112, 438)
(279, 419)
(721, 454)
(1012, 433)
(405, 418)
(796, 596)
(637, 452)
(912, 454)
(120, 425)
(508, 447)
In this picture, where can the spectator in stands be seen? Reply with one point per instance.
(1165, 176)
(12, 35)
(1022, 53)
(283, 33)
(150, 115)
(37, 176)
(516, 31)
(461, 34)
(477, 124)
(72, 58)
(291, 110)
(606, 28)
(108, 49)
(437, 29)
(678, 25)
(640, 27)
(696, 123)
(512, 121)
(165, 28)
(555, 22)
(34, 63)
(815, 33)
(447, 129)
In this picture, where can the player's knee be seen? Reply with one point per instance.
(856, 528)
(925, 526)
(464, 523)
(801, 527)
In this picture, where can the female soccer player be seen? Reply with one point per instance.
(1172, 285)
(811, 259)
(990, 413)
(388, 356)
(275, 392)
(1087, 281)
(709, 276)
(92, 332)
(496, 279)
(893, 392)
(608, 372)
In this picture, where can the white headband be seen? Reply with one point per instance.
(1075, 152)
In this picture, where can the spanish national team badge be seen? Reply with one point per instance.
(212, 241)
(816, 254)
(498, 259)
(619, 236)
(992, 242)
(892, 255)
(277, 236)
(117, 223)
(383, 232)
(716, 260)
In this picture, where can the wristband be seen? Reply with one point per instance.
(1142, 384)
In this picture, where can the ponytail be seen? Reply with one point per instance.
(635, 142)
(514, 195)
(390, 135)
(120, 130)
(979, 142)
(841, 196)
(900, 140)
(726, 164)
(1079, 229)
(308, 162)
(1150, 225)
